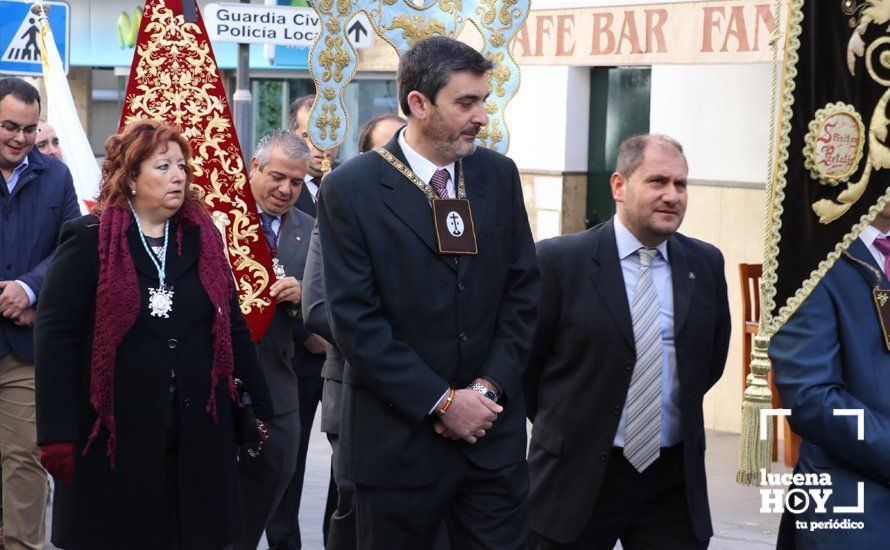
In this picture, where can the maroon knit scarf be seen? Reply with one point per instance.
(118, 302)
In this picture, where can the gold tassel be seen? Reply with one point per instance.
(755, 454)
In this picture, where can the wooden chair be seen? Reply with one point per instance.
(749, 275)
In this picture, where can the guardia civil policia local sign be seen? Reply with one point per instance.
(20, 34)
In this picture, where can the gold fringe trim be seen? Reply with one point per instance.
(755, 454)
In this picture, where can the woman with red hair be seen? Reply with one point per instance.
(139, 338)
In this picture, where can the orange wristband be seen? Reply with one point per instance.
(448, 401)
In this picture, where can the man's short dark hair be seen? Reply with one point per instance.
(19, 89)
(364, 135)
(428, 66)
(632, 150)
(296, 106)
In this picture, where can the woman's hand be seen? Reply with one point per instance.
(58, 460)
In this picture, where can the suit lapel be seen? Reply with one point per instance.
(609, 282)
(409, 203)
(860, 252)
(683, 280)
(477, 193)
(306, 203)
(289, 238)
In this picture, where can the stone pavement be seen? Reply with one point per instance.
(738, 524)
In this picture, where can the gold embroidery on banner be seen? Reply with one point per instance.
(334, 26)
(488, 12)
(774, 318)
(334, 59)
(490, 134)
(498, 75)
(450, 6)
(328, 119)
(179, 92)
(329, 93)
(497, 39)
(506, 15)
(416, 28)
(878, 151)
(834, 144)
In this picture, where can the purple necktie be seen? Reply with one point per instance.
(883, 246)
(439, 182)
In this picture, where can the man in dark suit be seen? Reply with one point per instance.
(832, 354)
(432, 421)
(276, 177)
(37, 198)
(633, 329)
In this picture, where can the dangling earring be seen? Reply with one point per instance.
(133, 190)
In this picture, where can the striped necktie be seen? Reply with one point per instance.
(642, 419)
(439, 182)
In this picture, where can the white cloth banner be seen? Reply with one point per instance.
(62, 114)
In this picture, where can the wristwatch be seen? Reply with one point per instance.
(477, 386)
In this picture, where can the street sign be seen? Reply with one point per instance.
(20, 36)
(281, 25)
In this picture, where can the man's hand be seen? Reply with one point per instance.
(287, 289)
(468, 417)
(26, 319)
(13, 300)
(315, 344)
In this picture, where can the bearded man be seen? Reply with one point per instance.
(432, 303)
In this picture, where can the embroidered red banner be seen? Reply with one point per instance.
(175, 79)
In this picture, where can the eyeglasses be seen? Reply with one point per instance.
(13, 128)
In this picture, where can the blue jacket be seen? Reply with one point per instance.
(32, 218)
(831, 355)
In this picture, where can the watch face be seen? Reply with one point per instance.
(491, 395)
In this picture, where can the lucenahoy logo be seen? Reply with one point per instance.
(128, 29)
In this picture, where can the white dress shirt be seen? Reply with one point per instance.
(423, 167)
(660, 269)
(868, 236)
(312, 186)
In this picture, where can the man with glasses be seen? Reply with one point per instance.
(37, 197)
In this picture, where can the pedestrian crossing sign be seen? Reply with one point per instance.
(20, 35)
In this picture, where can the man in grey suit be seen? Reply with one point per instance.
(276, 179)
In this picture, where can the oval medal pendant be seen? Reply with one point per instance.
(160, 302)
(278, 268)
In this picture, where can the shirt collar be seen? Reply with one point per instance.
(870, 234)
(260, 210)
(419, 164)
(312, 185)
(628, 244)
(21, 167)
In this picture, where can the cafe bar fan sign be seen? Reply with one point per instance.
(722, 31)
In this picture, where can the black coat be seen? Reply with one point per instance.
(412, 322)
(581, 364)
(127, 507)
